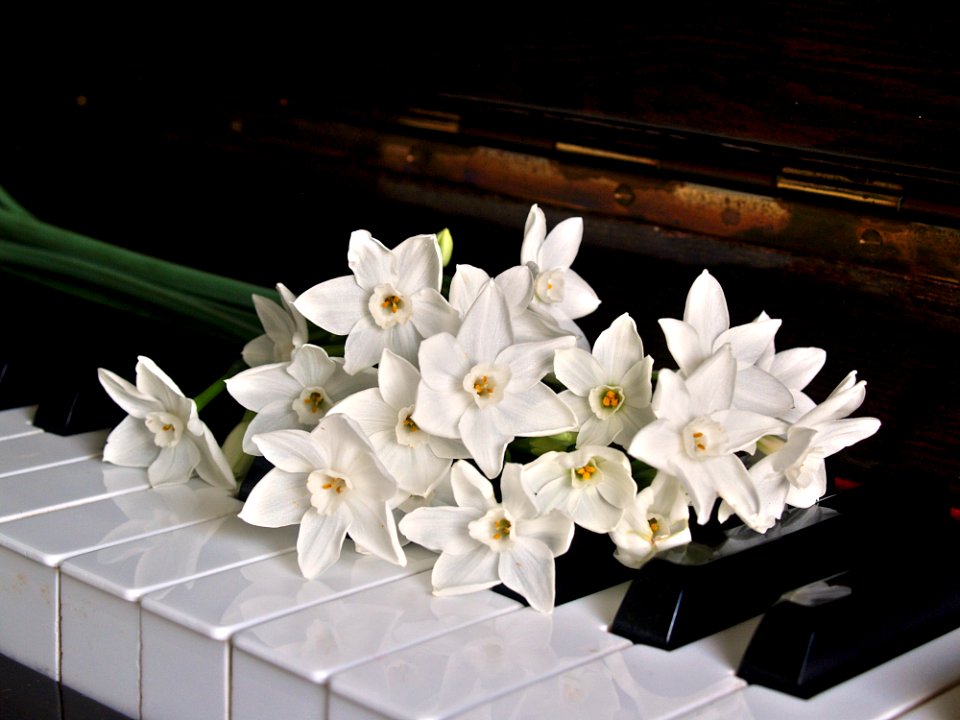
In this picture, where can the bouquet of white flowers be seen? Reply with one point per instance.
(410, 435)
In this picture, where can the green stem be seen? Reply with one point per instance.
(26, 230)
(7, 201)
(218, 386)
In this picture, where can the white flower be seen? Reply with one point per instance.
(796, 473)
(516, 284)
(331, 483)
(592, 486)
(285, 330)
(485, 390)
(705, 328)
(417, 459)
(392, 300)
(657, 520)
(609, 390)
(795, 368)
(295, 394)
(559, 292)
(162, 432)
(696, 435)
(483, 543)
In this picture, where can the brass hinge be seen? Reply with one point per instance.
(871, 192)
(432, 120)
(605, 154)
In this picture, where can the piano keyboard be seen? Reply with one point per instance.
(160, 605)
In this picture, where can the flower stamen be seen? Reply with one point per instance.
(611, 399)
(336, 484)
(501, 529)
(393, 302)
(586, 471)
(314, 401)
(482, 386)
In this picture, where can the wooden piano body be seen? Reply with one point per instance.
(727, 141)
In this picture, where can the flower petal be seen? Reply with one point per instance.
(320, 541)
(374, 529)
(335, 305)
(578, 370)
(418, 263)
(441, 529)
(371, 262)
(595, 514)
(618, 348)
(656, 445)
(711, 385)
(370, 411)
(275, 416)
(127, 396)
(528, 569)
(259, 351)
(432, 314)
(365, 344)
(467, 573)
(444, 363)
(561, 245)
(744, 428)
(439, 412)
(684, 344)
(534, 233)
(175, 464)
(279, 499)
(213, 467)
(749, 341)
(533, 413)
(486, 328)
(465, 287)
(153, 381)
(312, 366)
(529, 362)
(259, 386)
(579, 298)
(706, 308)
(761, 392)
(131, 444)
(292, 450)
(796, 367)
(470, 488)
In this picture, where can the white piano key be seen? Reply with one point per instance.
(186, 629)
(100, 594)
(640, 682)
(43, 450)
(886, 691)
(474, 665)
(32, 550)
(49, 489)
(17, 422)
(281, 668)
(942, 707)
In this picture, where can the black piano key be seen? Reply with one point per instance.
(669, 604)
(895, 604)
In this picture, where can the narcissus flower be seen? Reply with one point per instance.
(391, 301)
(656, 520)
(483, 542)
(331, 483)
(483, 389)
(294, 394)
(285, 330)
(609, 390)
(162, 432)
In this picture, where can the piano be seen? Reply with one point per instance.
(804, 154)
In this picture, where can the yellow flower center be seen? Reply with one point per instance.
(410, 424)
(611, 399)
(501, 529)
(336, 484)
(654, 525)
(699, 442)
(482, 386)
(392, 302)
(314, 401)
(586, 471)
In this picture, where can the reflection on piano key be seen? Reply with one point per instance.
(186, 629)
(32, 550)
(100, 594)
(43, 450)
(476, 664)
(280, 668)
(943, 706)
(48, 489)
(640, 682)
(17, 422)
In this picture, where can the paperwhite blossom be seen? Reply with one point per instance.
(592, 486)
(391, 301)
(483, 543)
(795, 474)
(483, 389)
(795, 368)
(705, 328)
(696, 435)
(285, 330)
(558, 292)
(162, 432)
(658, 519)
(609, 390)
(294, 394)
(331, 483)
(417, 459)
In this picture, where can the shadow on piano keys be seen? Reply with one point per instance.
(162, 607)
